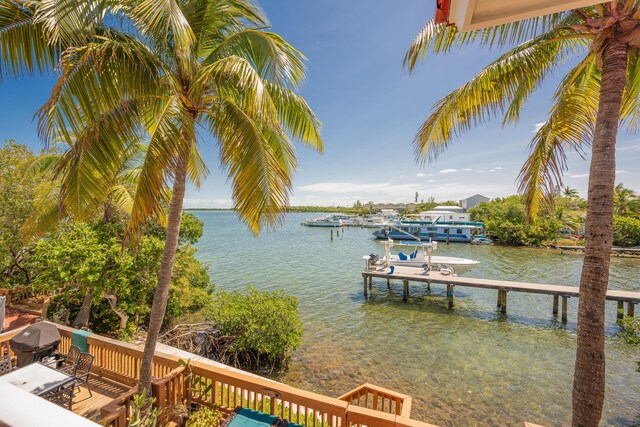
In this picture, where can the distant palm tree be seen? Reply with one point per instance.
(570, 193)
(625, 200)
(170, 71)
(589, 104)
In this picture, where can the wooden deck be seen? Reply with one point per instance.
(412, 274)
(103, 391)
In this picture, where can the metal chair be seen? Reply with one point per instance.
(62, 396)
(70, 359)
(5, 364)
(83, 370)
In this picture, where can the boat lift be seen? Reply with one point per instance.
(427, 247)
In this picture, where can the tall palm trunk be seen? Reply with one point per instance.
(589, 375)
(161, 293)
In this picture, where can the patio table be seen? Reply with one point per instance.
(37, 378)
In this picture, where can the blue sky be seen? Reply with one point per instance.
(370, 109)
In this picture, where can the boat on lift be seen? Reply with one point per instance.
(421, 257)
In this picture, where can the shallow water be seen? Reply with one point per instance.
(466, 366)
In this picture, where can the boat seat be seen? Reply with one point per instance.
(402, 256)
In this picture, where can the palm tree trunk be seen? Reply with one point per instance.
(161, 294)
(82, 318)
(589, 374)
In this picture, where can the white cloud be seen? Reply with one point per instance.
(467, 169)
(629, 148)
(449, 170)
(352, 187)
(430, 180)
(207, 203)
(420, 175)
(498, 168)
(620, 171)
(537, 126)
(578, 175)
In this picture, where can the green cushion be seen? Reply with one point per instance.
(79, 339)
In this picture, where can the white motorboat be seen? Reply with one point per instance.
(421, 256)
(327, 221)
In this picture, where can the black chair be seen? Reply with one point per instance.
(5, 364)
(62, 396)
(70, 360)
(83, 370)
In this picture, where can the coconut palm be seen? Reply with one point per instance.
(570, 193)
(173, 72)
(625, 200)
(593, 98)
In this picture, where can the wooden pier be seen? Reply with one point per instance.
(412, 274)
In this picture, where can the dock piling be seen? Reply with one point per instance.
(499, 302)
(365, 285)
(555, 305)
(564, 308)
(503, 305)
(620, 312)
(630, 309)
(405, 290)
(450, 295)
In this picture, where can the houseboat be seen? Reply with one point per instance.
(444, 223)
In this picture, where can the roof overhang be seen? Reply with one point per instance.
(476, 14)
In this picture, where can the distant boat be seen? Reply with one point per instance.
(478, 240)
(327, 221)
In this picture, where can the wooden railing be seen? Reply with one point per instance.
(207, 384)
(379, 399)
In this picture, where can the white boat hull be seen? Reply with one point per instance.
(458, 265)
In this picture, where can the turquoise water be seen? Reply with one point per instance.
(465, 366)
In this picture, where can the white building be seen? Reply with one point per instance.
(473, 201)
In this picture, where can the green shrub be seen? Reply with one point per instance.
(205, 417)
(265, 326)
(626, 231)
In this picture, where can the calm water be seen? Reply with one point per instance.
(466, 366)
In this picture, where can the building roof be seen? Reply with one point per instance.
(470, 15)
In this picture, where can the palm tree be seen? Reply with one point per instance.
(50, 211)
(171, 71)
(588, 106)
(570, 193)
(625, 200)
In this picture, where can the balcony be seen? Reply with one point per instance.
(204, 382)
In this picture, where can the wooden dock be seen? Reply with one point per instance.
(412, 274)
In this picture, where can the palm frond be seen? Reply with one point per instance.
(24, 49)
(569, 127)
(440, 38)
(501, 87)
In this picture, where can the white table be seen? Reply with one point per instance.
(37, 378)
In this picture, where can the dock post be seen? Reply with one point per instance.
(620, 312)
(332, 235)
(564, 308)
(429, 286)
(450, 295)
(365, 285)
(630, 309)
(405, 290)
(499, 303)
(555, 305)
(370, 282)
(388, 283)
(503, 307)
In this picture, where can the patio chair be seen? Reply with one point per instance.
(70, 360)
(83, 370)
(62, 396)
(5, 364)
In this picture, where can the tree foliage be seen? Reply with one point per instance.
(265, 326)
